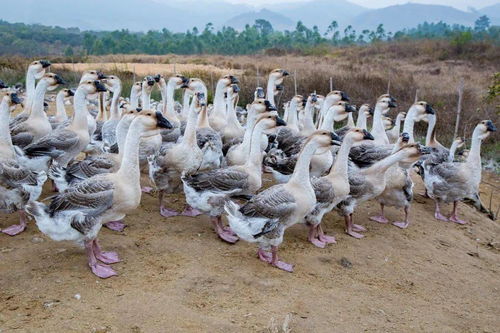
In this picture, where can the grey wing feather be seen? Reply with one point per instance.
(323, 190)
(13, 175)
(273, 203)
(22, 139)
(367, 154)
(60, 139)
(88, 168)
(223, 180)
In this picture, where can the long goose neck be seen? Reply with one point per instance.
(81, 111)
(361, 121)
(30, 91)
(5, 138)
(328, 121)
(301, 172)
(453, 149)
(247, 137)
(409, 123)
(60, 108)
(169, 106)
(146, 98)
(292, 115)
(115, 111)
(270, 90)
(38, 99)
(121, 134)
(185, 103)
(129, 168)
(308, 116)
(203, 119)
(219, 103)
(397, 126)
(340, 165)
(378, 129)
(350, 120)
(475, 149)
(190, 131)
(134, 98)
(430, 137)
(255, 154)
(231, 115)
(382, 166)
(323, 113)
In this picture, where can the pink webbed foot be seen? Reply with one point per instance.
(108, 257)
(15, 229)
(327, 239)
(146, 189)
(101, 270)
(455, 219)
(357, 227)
(283, 266)
(402, 225)
(264, 256)
(115, 225)
(379, 219)
(440, 217)
(227, 236)
(190, 211)
(354, 234)
(317, 242)
(229, 230)
(165, 212)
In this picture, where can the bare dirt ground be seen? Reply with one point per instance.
(176, 276)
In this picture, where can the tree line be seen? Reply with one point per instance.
(39, 40)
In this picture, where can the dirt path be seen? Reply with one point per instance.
(177, 277)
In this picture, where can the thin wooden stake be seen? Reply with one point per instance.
(459, 107)
(258, 77)
(389, 87)
(295, 81)
(133, 75)
(416, 95)
(331, 83)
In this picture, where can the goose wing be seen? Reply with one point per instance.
(21, 135)
(274, 203)
(367, 154)
(89, 167)
(323, 190)
(60, 139)
(220, 180)
(13, 175)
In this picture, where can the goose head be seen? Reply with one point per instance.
(412, 152)
(388, 122)
(11, 98)
(341, 110)
(137, 88)
(268, 121)
(150, 122)
(366, 109)
(401, 116)
(37, 68)
(199, 101)
(226, 81)
(385, 102)
(196, 85)
(259, 93)
(277, 75)
(232, 92)
(357, 134)
(484, 128)
(53, 80)
(262, 105)
(297, 101)
(90, 87)
(112, 83)
(422, 110)
(459, 142)
(3, 85)
(319, 103)
(177, 80)
(323, 140)
(148, 83)
(66, 93)
(92, 75)
(337, 95)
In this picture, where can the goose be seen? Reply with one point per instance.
(365, 111)
(218, 117)
(37, 124)
(456, 144)
(455, 181)
(148, 84)
(186, 101)
(293, 108)
(369, 183)
(233, 129)
(264, 218)
(393, 134)
(18, 184)
(78, 213)
(182, 158)
(209, 141)
(398, 190)
(274, 81)
(330, 99)
(93, 75)
(307, 126)
(208, 191)
(167, 90)
(61, 116)
(135, 94)
(113, 84)
(36, 70)
(333, 188)
(70, 140)
(238, 154)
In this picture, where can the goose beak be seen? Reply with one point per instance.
(280, 122)
(59, 80)
(99, 86)
(280, 87)
(367, 135)
(490, 127)
(162, 122)
(151, 81)
(3, 85)
(335, 139)
(392, 103)
(405, 137)
(314, 98)
(269, 106)
(425, 150)
(185, 80)
(259, 93)
(371, 111)
(100, 75)
(236, 88)
(71, 92)
(45, 63)
(350, 108)
(15, 99)
(344, 96)
(429, 109)
(285, 73)
(234, 80)
(157, 77)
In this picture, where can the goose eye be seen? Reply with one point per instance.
(269, 117)
(149, 114)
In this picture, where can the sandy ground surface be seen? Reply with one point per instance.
(176, 276)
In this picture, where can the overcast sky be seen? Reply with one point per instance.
(461, 4)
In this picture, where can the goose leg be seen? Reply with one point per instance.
(438, 215)
(349, 227)
(325, 238)
(105, 257)
(380, 218)
(115, 225)
(357, 227)
(313, 237)
(147, 189)
(164, 211)
(17, 228)
(265, 256)
(453, 217)
(101, 270)
(190, 211)
(279, 264)
(403, 225)
(225, 234)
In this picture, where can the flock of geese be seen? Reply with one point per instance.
(110, 149)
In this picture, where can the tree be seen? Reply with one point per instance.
(482, 23)
(68, 52)
(265, 27)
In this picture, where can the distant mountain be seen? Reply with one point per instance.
(410, 15)
(278, 21)
(493, 12)
(320, 12)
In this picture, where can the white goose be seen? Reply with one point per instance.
(113, 84)
(78, 213)
(61, 116)
(264, 218)
(233, 129)
(208, 191)
(218, 116)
